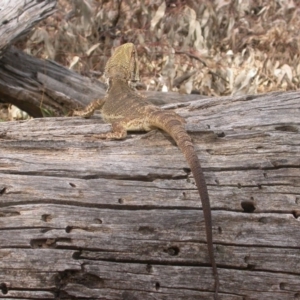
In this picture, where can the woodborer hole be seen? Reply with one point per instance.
(248, 206)
(76, 255)
(98, 221)
(187, 170)
(157, 286)
(221, 134)
(72, 184)
(297, 296)
(282, 285)
(3, 288)
(250, 266)
(2, 191)
(68, 229)
(173, 251)
(121, 201)
(149, 268)
(296, 214)
(46, 217)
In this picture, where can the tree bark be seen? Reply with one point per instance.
(94, 219)
(18, 17)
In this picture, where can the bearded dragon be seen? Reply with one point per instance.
(127, 110)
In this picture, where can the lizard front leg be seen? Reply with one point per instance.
(88, 111)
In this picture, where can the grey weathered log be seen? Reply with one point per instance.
(93, 219)
(18, 17)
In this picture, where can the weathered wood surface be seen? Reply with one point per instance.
(93, 219)
(18, 17)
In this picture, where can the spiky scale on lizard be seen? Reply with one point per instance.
(126, 110)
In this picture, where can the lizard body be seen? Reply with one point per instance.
(127, 110)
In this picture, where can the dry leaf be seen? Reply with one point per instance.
(158, 15)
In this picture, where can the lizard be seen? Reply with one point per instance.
(127, 110)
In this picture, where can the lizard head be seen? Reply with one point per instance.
(123, 63)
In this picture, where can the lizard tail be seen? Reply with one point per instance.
(174, 126)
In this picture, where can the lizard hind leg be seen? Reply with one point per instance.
(118, 132)
(120, 128)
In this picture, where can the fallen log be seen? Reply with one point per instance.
(45, 88)
(93, 219)
(18, 17)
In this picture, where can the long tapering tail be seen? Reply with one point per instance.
(174, 126)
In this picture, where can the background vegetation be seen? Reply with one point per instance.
(210, 47)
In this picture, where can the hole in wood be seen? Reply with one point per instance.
(120, 200)
(2, 191)
(76, 255)
(264, 220)
(297, 296)
(239, 186)
(146, 229)
(248, 206)
(43, 243)
(46, 218)
(187, 170)
(282, 285)
(68, 229)
(72, 184)
(297, 201)
(221, 134)
(149, 268)
(296, 214)
(3, 288)
(173, 251)
(98, 221)
(220, 230)
(157, 286)
(246, 259)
